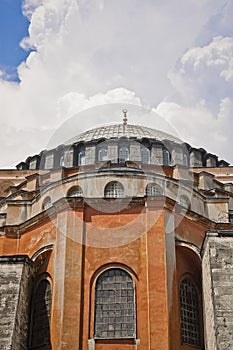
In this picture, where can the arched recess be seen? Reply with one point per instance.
(102, 154)
(47, 203)
(41, 259)
(75, 191)
(145, 155)
(153, 190)
(113, 304)
(114, 189)
(187, 318)
(41, 300)
(189, 312)
(123, 154)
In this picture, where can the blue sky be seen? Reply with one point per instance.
(13, 27)
(174, 57)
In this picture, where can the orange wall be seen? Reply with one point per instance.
(133, 239)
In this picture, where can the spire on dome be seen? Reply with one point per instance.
(125, 117)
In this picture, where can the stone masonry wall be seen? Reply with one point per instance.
(218, 291)
(15, 277)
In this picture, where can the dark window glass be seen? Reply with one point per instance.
(40, 319)
(166, 157)
(189, 314)
(114, 305)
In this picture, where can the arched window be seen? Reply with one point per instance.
(62, 161)
(47, 203)
(153, 190)
(49, 161)
(189, 314)
(166, 157)
(75, 192)
(81, 158)
(114, 190)
(103, 154)
(115, 305)
(40, 316)
(185, 159)
(145, 154)
(32, 164)
(123, 154)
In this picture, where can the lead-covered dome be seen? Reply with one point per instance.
(119, 144)
(112, 131)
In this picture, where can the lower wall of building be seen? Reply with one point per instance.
(15, 284)
(217, 292)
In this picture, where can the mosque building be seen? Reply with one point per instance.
(119, 239)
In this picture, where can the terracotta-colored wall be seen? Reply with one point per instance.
(144, 257)
(133, 238)
(188, 264)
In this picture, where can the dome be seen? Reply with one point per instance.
(85, 150)
(121, 130)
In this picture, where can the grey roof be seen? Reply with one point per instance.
(119, 130)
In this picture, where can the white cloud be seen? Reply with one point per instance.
(206, 72)
(96, 51)
(200, 127)
(220, 24)
(203, 108)
(29, 7)
(73, 102)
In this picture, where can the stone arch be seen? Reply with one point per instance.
(114, 189)
(47, 203)
(75, 191)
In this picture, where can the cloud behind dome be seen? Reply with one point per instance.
(95, 51)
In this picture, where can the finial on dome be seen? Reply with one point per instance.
(125, 117)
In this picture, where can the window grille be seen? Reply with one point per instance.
(49, 161)
(103, 154)
(185, 160)
(81, 158)
(32, 165)
(145, 153)
(68, 158)
(62, 162)
(153, 190)
(114, 190)
(76, 192)
(166, 157)
(40, 320)
(123, 154)
(114, 305)
(189, 314)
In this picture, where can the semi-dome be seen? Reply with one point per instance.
(121, 130)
